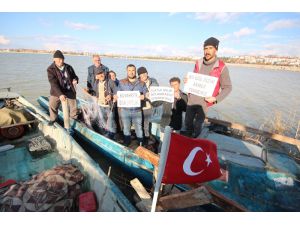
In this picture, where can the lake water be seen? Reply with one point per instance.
(257, 95)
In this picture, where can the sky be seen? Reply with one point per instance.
(155, 34)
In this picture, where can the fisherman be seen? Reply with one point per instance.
(91, 78)
(197, 106)
(62, 79)
(147, 108)
(132, 114)
(104, 89)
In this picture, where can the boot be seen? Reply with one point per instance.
(127, 140)
(70, 131)
(111, 135)
(146, 141)
(140, 141)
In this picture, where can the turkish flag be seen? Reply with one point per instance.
(191, 161)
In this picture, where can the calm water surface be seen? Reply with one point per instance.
(258, 94)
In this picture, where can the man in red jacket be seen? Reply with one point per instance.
(197, 106)
(62, 79)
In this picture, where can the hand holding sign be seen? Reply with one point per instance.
(200, 84)
(161, 94)
(210, 99)
(128, 99)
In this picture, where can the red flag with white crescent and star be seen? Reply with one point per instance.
(191, 161)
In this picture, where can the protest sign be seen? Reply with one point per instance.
(200, 84)
(161, 94)
(129, 99)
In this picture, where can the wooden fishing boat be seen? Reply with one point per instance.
(19, 164)
(119, 154)
(258, 179)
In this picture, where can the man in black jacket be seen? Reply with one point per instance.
(172, 113)
(62, 79)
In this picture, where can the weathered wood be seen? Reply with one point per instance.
(8, 94)
(18, 124)
(224, 202)
(195, 197)
(147, 155)
(244, 128)
(146, 201)
(220, 200)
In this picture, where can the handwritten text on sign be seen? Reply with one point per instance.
(161, 94)
(129, 99)
(200, 84)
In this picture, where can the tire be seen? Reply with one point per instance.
(12, 132)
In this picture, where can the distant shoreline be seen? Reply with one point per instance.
(272, 67)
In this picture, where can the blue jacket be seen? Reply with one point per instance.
(126, 85)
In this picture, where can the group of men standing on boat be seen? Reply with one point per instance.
(103, 85)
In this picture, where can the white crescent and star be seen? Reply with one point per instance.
(188, 162)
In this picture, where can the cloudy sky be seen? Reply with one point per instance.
(165, 34)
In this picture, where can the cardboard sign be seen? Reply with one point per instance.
(129, 99)
(200, 84)
(165, 94)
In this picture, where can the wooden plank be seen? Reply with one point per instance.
(195, 197)
(220, 200)
(147, 155)
(8, 94)
(146, 201)
(225, 203)
(18, 124)
(244, 128)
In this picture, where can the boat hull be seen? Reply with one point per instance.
(117, 153)
(18, 164)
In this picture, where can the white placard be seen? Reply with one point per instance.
(200, 84)
(128, 99)
(161, 94)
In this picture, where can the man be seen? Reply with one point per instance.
(91, 72)
(197, 106)
(63, 79)
(147, 108)
(104, 90)
(133, 114)
(172, 112)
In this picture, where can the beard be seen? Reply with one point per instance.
(131, 76)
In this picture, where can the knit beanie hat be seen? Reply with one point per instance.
(99, 71)
(211, 41)
(58, 54)
(142, 70)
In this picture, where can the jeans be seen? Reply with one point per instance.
(107, 118)
(147, 113)
(132, 116)
(194, 119)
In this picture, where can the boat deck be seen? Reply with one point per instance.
(25, 164)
